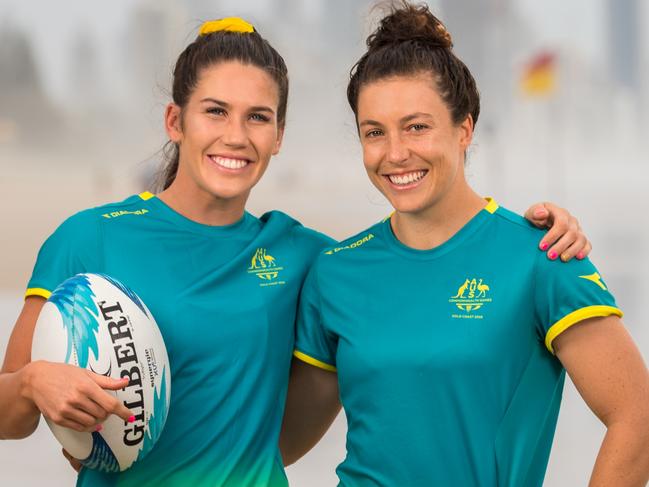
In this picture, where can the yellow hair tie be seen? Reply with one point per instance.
(230, 24)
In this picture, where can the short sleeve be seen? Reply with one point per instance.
(71, 249)
(314, 344)
(567, 293)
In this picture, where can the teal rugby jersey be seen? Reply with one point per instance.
(225, 299)
(444, 356)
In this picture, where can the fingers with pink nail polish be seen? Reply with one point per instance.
(544, 246)
(552, 255)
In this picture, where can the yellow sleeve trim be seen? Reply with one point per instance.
(311, 361)
(38, 291)
(492, 206)
(146, 195)
(575, 317)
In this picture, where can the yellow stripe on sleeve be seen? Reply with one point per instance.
(38, 291)
(146, 195)
(312, 361)
(575, 317)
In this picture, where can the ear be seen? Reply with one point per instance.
(466, 132)
(278, 142)
(173, 122)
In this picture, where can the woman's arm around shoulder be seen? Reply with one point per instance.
(565, 237)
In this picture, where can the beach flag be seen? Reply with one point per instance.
(539, 76)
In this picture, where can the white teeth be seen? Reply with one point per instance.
(229, 163)
(403, 179)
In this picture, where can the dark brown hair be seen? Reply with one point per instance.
(208, 50)
(410, 40)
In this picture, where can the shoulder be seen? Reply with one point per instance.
(350, 251)
(549, 274)
(78, 222)
(135, 204)
(364, 239)
(107, 210)
(84, 224)
(515, 229)
(515, 222)
(300, 236)
(75, 246)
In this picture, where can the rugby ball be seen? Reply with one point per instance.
(95, 322)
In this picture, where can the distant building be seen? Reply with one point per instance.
(147, 47)
(486, 35)
(624, 43)
(26, 112)
(84, 80)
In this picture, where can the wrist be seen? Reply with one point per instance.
(27, 375)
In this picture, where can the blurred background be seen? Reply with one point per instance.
(83, 86)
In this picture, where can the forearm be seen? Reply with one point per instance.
(623, 458)
(19, 415)
(294, 440)
(311, 406)
(302, 430)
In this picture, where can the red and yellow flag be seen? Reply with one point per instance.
(540, 75)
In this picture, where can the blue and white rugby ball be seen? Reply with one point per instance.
(95, 322)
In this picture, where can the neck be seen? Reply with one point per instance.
(201, 206)
(433, 226)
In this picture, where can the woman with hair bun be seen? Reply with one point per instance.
(221, 283)
(443, 333)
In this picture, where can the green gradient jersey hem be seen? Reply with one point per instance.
(440, 354)
(225, 299)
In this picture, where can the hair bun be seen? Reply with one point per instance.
(407, 22)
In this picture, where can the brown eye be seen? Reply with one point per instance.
(373, 133)
(216, 111)
(258, 117)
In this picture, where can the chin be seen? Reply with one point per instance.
(407, 205)
(408, 210)
(227, 192)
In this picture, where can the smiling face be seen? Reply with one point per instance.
(227, 132)
(412, 150)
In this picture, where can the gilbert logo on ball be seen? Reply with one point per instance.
(95, 322)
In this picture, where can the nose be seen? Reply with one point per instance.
(235, 133)
(397, 150)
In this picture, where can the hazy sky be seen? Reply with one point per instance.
(577, 22)
(58, 23)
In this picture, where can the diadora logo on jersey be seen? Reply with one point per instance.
(471, 296)
(358, 243)
(115, 214)
(596, 278)
(265, 267)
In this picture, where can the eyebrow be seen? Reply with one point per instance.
(405, 119)
(260, 108)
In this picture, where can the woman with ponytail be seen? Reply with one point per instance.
(200, 262)
(443, 333)
(197, 259)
